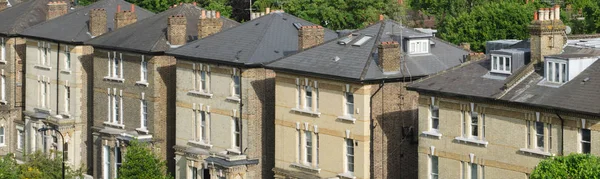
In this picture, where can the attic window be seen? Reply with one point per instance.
(362, 40)
(347, 39)
(556, 72)
(418, 46)
(501, 64)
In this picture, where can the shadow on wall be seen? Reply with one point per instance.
(86, 61)
(264, 91)
(168, 78)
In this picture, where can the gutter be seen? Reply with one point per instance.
(562, 132)
(241, 122)
(372, 122)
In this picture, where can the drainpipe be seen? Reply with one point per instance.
(57, 74)
(372, 121)
(241, 107)
(562, 132)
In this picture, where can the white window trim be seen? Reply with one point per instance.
(67, 99)
(106, 162)
(581, 141)
(3, 56)
(467, 128)
(198, 88)
(347, 172)
(67, 57)
(20, 139)
(3, 90)
(301, 99)
(506, 59)
(112, 109)
(143, 117)
(112, 73)
(418, 46)
(551, 71)
(430, 168)
(3, 136)
(143, 72)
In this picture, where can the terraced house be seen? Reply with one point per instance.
(499, 117)
(341, 108)
(15, 17)
(134, 83)
(225, 98)
(58, 76)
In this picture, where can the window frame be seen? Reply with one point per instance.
(474, 127)
(237, 80)
(144, 70)
(501, 64)
(67, 99)
(434, 119)
(349, 104)
(557, 71)
(67, 56)
(3, 83)
(583, 142)
(539, 142)
(2, 136)
(433, 174)
(308, 142)
(3, 56)
(308, 96)
(349, 144)
(20, 139)
(143, 114)
(237, 140)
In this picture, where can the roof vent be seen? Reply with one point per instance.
(362, 40)
(347, 39)
(336, 58)
(586, 79)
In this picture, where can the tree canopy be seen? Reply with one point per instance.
(141, 163)
(36, 166)
(571, 166)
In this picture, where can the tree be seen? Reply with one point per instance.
(8, 167)
(568, 167)
(39, 165)
(141, 163)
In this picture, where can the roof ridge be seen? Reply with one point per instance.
(377, 39)
(263, 35)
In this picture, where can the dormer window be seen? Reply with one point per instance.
(556, 72)
(501, 64)
(418, 46)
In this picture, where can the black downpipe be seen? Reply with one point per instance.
(562, 132)
(57, 73)
(373, 124)
(241, 107)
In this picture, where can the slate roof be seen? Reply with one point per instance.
(471, 80)
(20, 16)
(255, 42)
(73, 27)
(359, 63)
(150, 35)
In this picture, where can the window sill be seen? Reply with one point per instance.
(234, 151)
(3, 62)
(109, 78)
(233, 98)
(43, 67)
(142, 130)
(65, 115)
(66, 71)
(3, 102)
(114, 125)
(2, 145)
(304, 111)
(536, 151)
(346, 175)
(501, 72)
(432, 133)
(473, 141)
(142, 83)
(203, 94)
(43, 110)
(201, 144)
(306, 167)
(347, 118)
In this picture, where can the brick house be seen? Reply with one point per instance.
(58, 78)
(499, 117)
(134, 83)
(342, 109)
(225, 98)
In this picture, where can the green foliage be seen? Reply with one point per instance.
(490, 21)
(571, 166)
(334, 14)
(8, 167)
(141, 163)
(39, 165)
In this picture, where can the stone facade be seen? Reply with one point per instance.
(124, 18)
(310, 36)
(389, 56)
(505, 147)
(209, 24)
(56, 76)
(56, 9)
(547, 38)
(380, 127)
(11, 103)
(176, 30)
(120, 92)
(221, 106)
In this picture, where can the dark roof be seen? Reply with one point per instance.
(573, 55)
(150, 35)
(20, 16)
(13, 2)
(473, 80)
(261, 40)
(359, 63)
(73, 27)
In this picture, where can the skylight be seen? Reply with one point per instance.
(362, 40)
(348, 39)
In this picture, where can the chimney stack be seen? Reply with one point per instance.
(56, 9)
(267, 10)
(310, 36)
(547, 34)
(557, 12)
(209, 23)
(466, 46)
(97, 24)
(3, 4)
(389, 56)
(124, 18)
(177, 30)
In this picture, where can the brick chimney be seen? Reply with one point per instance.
(124, 18)
(3, 4)
(97, 24)
(177, 30)
(389, 56)
(209, 23)
(310, 36)
(56, 9)
(547, 33)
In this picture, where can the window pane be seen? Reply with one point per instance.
(501, 60)
(507, 63)
(494, 63)
(474, 124)
(308, 100)
(308, 146)
(473, 171)
(434, 165)
(549, 71)
(556, 72)
(203, 79)
(585, 135)
(539, 130)
(350, 103)
(435, 117)
(564, 72)
(585, 148)
(236, 80)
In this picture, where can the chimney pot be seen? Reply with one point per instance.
(267, 10)
(119, 8)
(466, 46)
(535, 16)
(557, 12)
(203, 14)
(176, 30)
(389, 56)
(310, 36)
(210, 25)
(132, 8)
(124, 18)
(195, 4)
(381, 17)
(218, 15)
